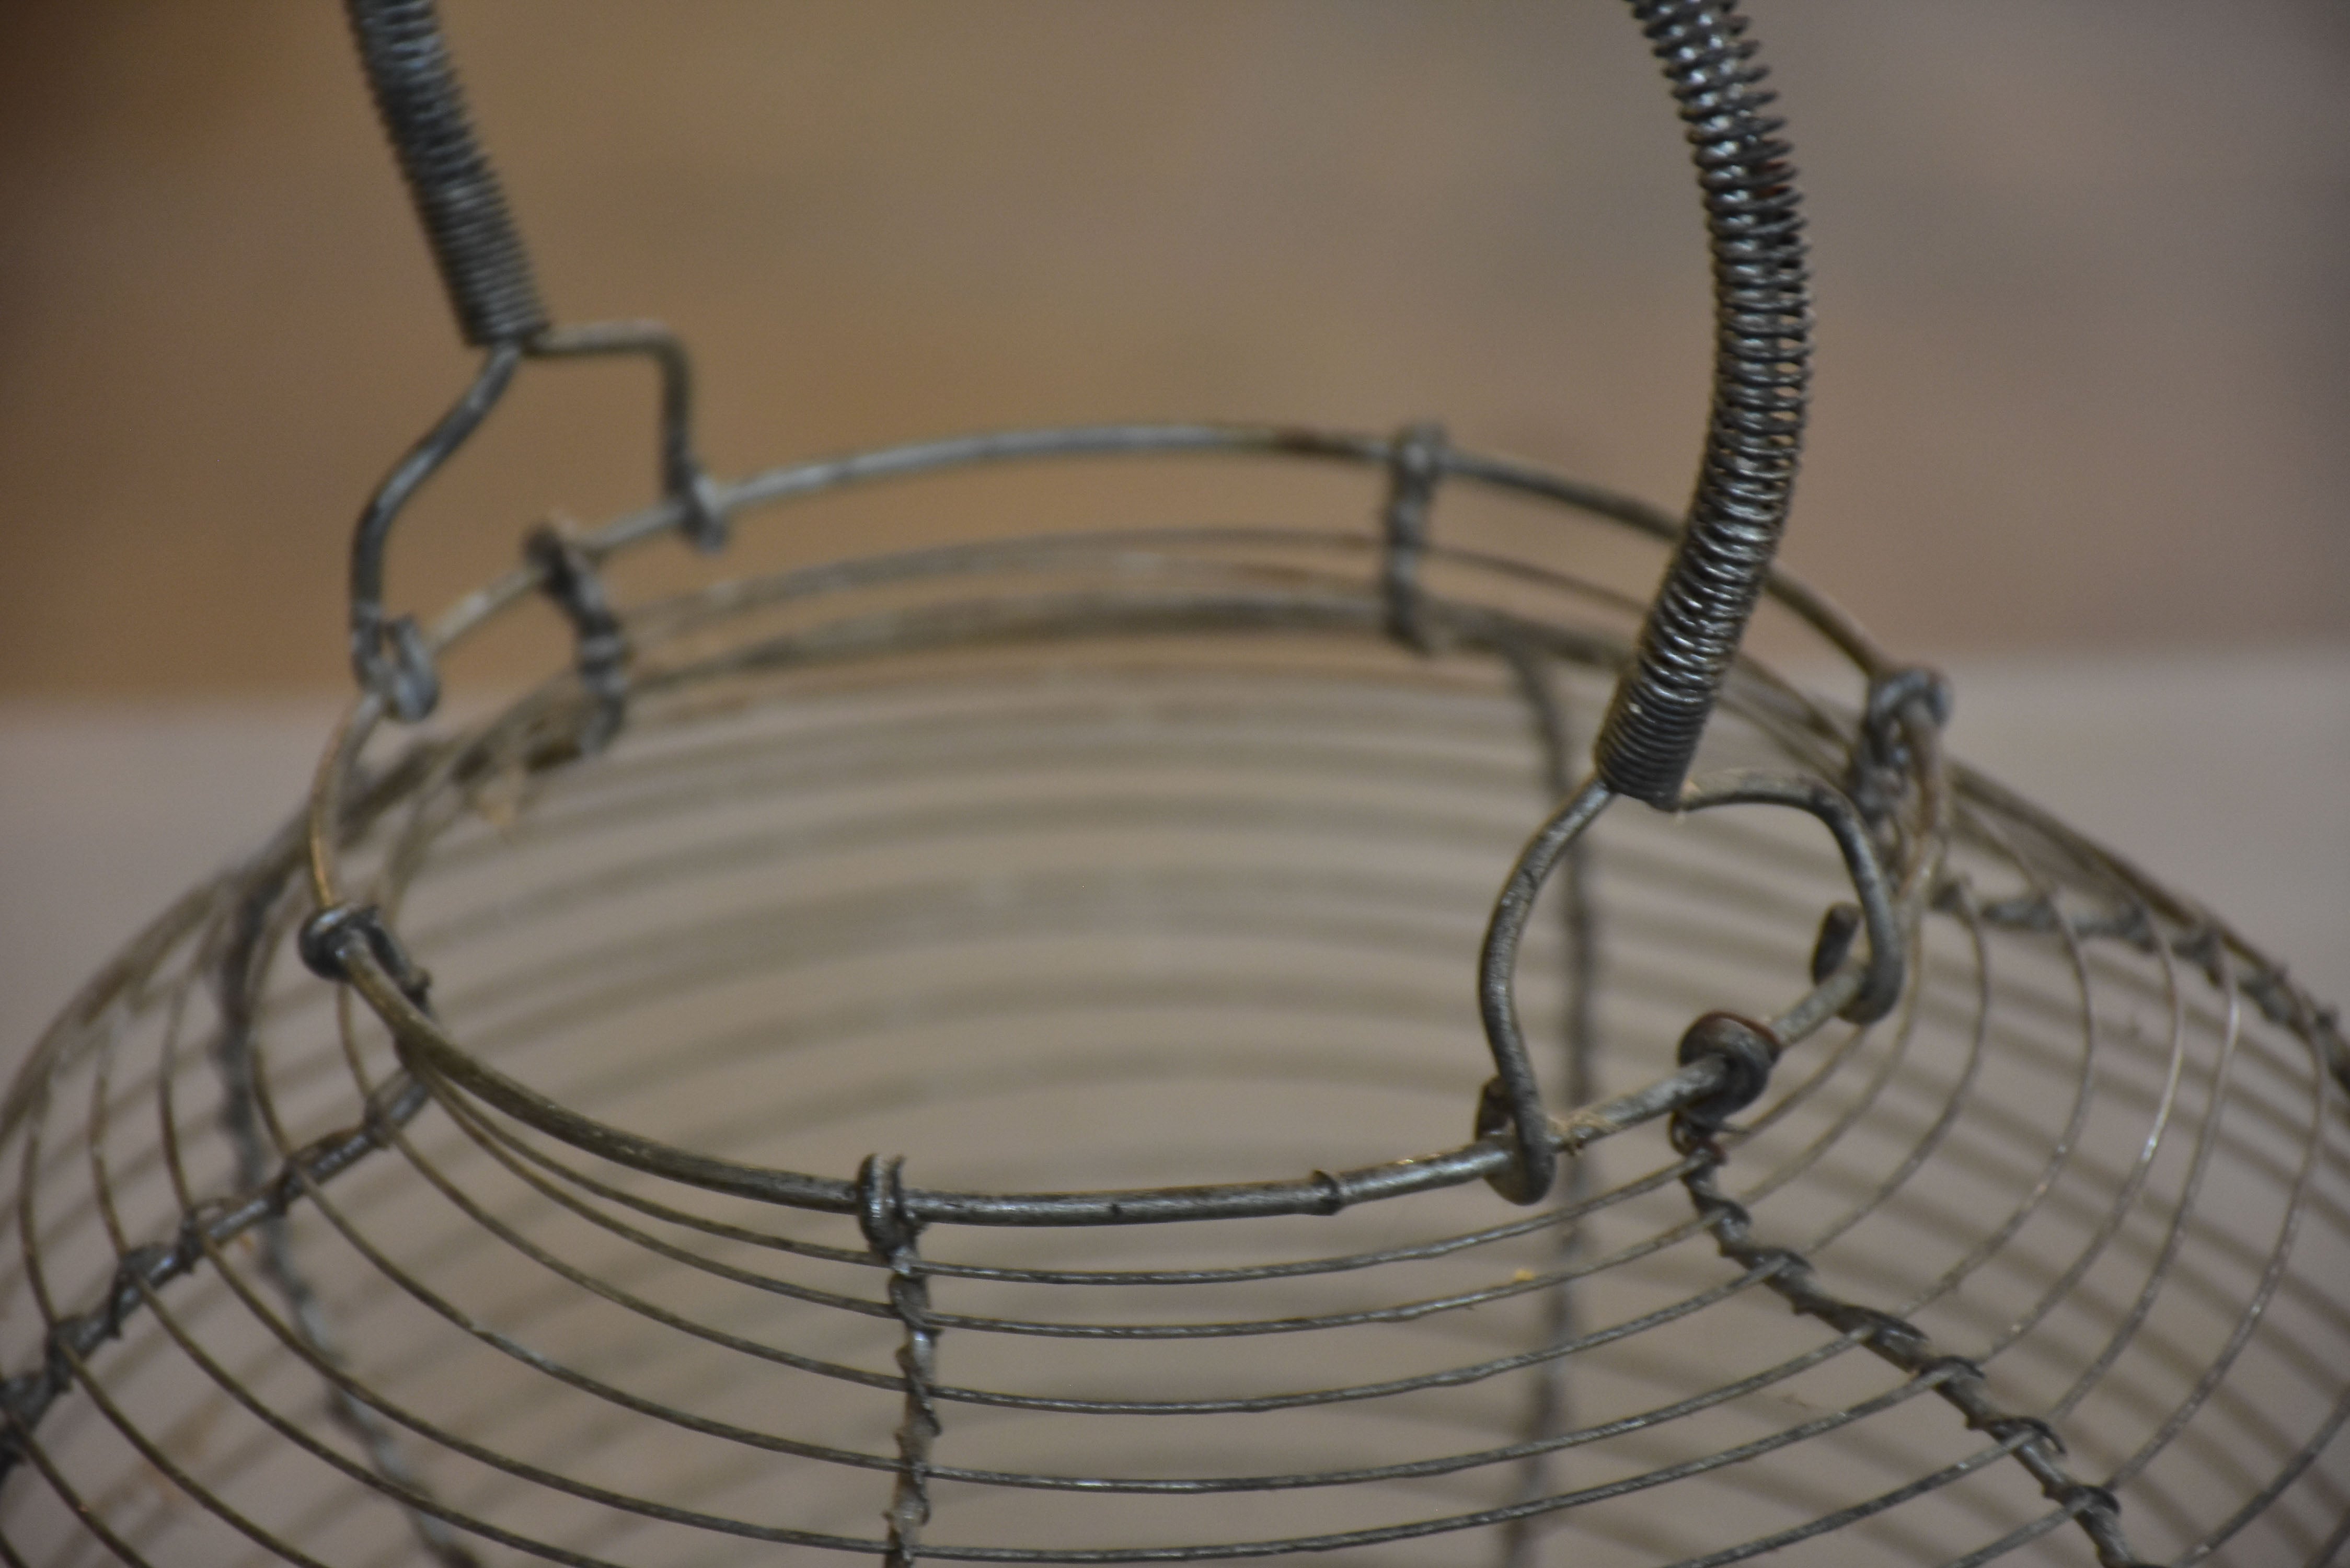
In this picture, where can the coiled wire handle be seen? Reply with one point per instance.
(1762, 354)
(458, 198)
(1693, 629)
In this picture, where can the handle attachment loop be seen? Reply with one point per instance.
(486, 269)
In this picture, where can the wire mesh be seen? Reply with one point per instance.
(1125, 864)
(1010, 1051)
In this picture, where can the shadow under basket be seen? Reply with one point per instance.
(984, 1055)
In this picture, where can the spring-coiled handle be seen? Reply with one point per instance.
(1762, 347)
(474, 243)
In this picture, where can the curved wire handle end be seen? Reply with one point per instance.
(486, 271)
(1721, 1055)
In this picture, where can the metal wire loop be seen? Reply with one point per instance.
(486, 272)
(1415, 465)
(568, 577)
(893, 1233)
(327, 939)
(1533, 1159)
(1896, 691)
(1838, 927)
(2018, 1429)
(1701, 608)
(1896, 1340)
(872, 848)
(1880, 764)
(391, 657)
(684, 482)
(1863, 992)
(1747, 1051)
(1867, 1133)
(1879, 976)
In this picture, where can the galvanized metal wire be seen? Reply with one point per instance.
(1145, 1045)
(963, 858)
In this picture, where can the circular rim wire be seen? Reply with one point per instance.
(989, 1363)
(519, 1240)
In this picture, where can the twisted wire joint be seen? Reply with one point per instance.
(892, 1232)
(1415, 464)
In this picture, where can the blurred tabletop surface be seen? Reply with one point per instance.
(2220, 775)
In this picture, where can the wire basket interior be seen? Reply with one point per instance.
(1011, 1050)
(1132, 860)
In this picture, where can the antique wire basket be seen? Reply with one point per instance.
(1010, 1051)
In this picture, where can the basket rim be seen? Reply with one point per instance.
(1517, 1146)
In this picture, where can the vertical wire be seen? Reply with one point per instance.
(893, 1235)
(238, 975)
(1549, 1410)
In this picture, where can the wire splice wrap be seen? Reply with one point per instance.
(458, 198)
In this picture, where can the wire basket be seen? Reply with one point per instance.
(1011, 1052)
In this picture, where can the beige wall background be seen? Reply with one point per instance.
(2084, 358)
